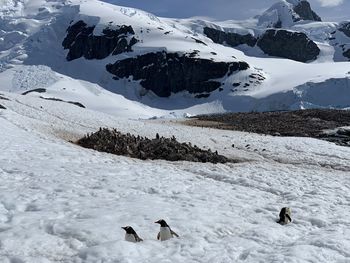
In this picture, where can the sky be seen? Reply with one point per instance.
(329, 10)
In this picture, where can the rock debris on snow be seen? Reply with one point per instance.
(112, 141)
(316, 123)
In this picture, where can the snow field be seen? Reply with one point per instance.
(63, 203)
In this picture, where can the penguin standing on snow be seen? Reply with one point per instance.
(131, 235)
(285, 216)
(165, 232)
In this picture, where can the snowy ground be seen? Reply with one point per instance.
(62, 203)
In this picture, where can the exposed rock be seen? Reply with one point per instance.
(347, 54)
(287, 44)
(3, 98)
(339, 136)
(303, 9)
(2, 107)
(112, 141)
(166, 73)
(81, 41)
(345, 28)
(198, 41)
(39, 90)
(231, 39)
(70, 102)
(301, 123)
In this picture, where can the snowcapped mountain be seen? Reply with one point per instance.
(287, 12)
(69, 67)
(284, 59)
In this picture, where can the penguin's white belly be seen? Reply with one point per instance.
(165, 233)
(286, 221)
(130, 238)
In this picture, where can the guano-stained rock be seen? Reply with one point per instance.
(114, 142)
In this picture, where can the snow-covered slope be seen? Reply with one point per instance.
(62, 203)
(32, 56)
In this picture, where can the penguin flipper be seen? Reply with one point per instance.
(289, 218)
(174, 234)
(158, 236)
(137, 238)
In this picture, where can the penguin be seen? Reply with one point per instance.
(165, 232)
(131, 235)
(285, 216)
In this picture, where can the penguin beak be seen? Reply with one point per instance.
(157, 222)
(124, 227)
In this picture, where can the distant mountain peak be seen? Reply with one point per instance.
(287, 12)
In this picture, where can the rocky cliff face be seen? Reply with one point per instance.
(287, 44)
(81, 41)
(304, 11)
(345, 28)
(231, 39)
(166, 73)
(278, 43)
(347, 54)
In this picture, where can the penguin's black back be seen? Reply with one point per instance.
(130, 230)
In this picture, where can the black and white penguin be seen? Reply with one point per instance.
(165, 232)
(131, 235)
(285, 216)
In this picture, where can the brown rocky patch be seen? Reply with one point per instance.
(302, 123)
(113, 141)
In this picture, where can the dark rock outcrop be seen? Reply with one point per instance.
(2, 107)
(166, 73)
(112, 141)
(81, 41)
(302, 123)
(231, 39)
(3, 98)
(345, 28)
(303, 9)
(39, 90)
(347, 54)
(287, 44)
(70, 102)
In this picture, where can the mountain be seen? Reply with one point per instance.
(69, 69)
(92, 52)
(287, 12)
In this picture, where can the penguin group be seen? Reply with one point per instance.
(166, 233)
